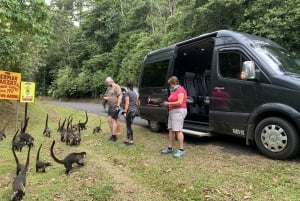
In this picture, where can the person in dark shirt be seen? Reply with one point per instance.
(130, 111)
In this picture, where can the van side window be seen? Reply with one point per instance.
(230, 64)
(154, 74)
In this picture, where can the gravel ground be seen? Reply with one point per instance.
(93, 108)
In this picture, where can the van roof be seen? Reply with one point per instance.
(238, 36)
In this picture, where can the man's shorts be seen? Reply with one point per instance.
(176, 119)
(113, 112)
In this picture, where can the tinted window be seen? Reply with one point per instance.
(230, 64)
(154, 74)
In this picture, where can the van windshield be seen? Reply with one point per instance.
(278, 58)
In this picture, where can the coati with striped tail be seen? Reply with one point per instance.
(47, 131)
(25, 137)
(20, 181)
(19, 165)
(40, 164)
(97, 129)
(69, 159)
(83, 124)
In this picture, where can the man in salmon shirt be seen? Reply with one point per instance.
(177, 112)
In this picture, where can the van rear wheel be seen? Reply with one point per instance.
(155, 126)
(277, 138)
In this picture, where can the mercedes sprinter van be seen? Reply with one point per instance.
(238, 84)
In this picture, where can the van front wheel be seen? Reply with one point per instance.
(277, 138)
(155, 126)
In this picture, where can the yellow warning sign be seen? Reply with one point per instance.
(10, 85)
(27, 92)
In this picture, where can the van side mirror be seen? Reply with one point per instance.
(248, 71)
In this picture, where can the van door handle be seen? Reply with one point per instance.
(219, 88)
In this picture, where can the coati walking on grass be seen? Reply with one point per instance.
(97, 129)
(69, 159)
(40, 164)
(2, 131)
(25, 137)
(19, 165)
(19, 182)
(47, 131)
(83, 124)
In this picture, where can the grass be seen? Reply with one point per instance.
(212, 169)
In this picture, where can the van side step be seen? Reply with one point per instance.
(197, 133)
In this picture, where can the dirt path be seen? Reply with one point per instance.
(126, 188)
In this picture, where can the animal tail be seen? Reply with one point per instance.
(27, 160)
(38, 153)
(25, 125)
(46, 124)
(12, 147)
(86, 118)
(52, 154)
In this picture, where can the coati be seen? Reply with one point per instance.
(47, 131)
(19, 166)
(25, 137)
(97, 129)
(2, 131)
(83, 124)
(40, 164)
(19, 182)
(69, 159)
(17, 143)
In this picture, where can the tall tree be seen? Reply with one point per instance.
(275, 19)
(24, 31)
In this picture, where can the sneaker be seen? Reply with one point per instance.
(113, 138)
(128, 143)
(167, 151)
(179, 153)
(110, 139)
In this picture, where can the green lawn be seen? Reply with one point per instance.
(116, 172)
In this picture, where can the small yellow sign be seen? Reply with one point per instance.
(27, 92)
(10, 85)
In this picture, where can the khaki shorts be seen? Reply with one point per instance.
(176, 119)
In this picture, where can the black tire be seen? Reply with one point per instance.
(155, 126)
(277, 138)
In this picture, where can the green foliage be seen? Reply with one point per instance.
(114, 36)
(24, 31)
(276, 20)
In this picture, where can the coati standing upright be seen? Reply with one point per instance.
(2, 131)
(19, 182)
(40, 164)
(69, 159)
(19, 165)
(25, 137)
(47, 131)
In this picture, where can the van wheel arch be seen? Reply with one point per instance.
(155, 126)
(276, 138)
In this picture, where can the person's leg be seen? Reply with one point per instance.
(180, 138)
(118, 128)
(114, 126)
(128, 134)
(110, 124)
(112, 118)
(171, 138)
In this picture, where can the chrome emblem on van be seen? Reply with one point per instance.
(149, 100)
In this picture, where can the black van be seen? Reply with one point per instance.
(237, 84)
